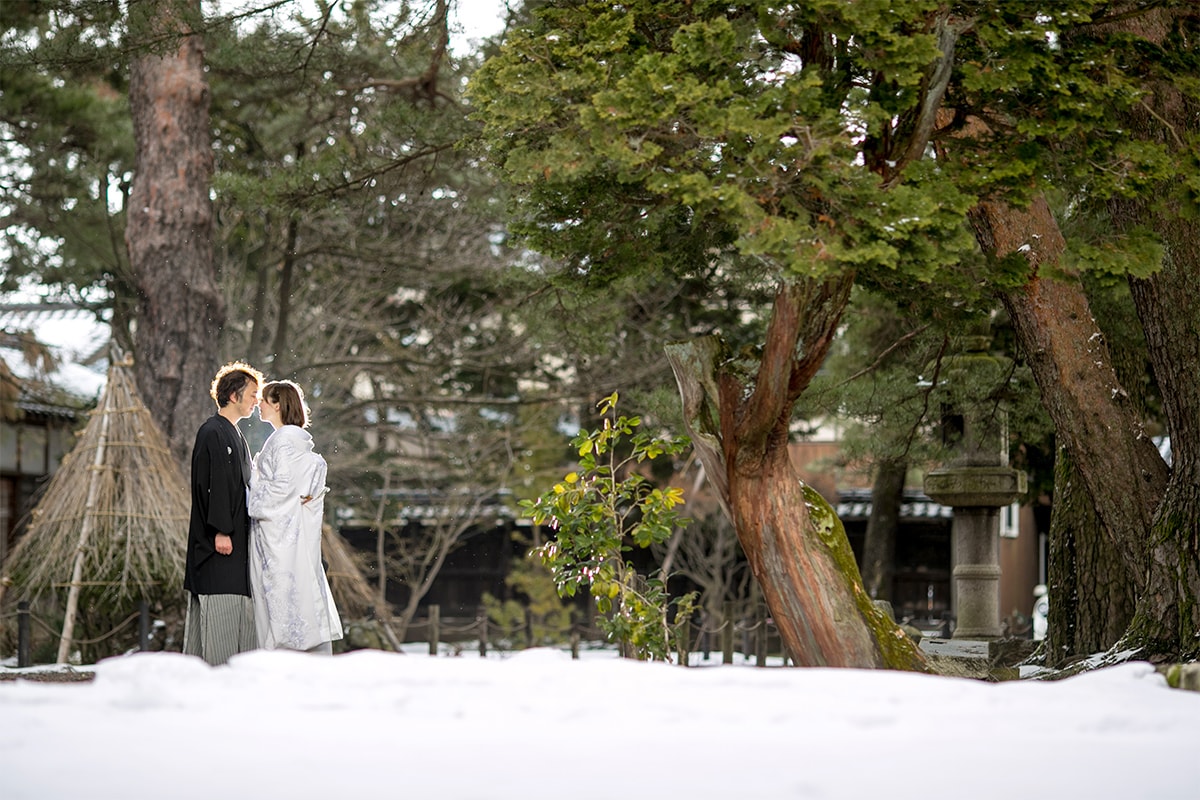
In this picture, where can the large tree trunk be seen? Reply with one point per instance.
(879, 546)
(1091, 594)
(1151, 522)
(1093, 416)
(1167, 622)
(793, 540)
(169, 231)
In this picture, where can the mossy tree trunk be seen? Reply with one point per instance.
(170, 227)
(793, 540)
(1167, 621)
(1091, 593)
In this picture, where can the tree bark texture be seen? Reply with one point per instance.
(1167, 622)
(793, 541)
(282, 357)
(1093, 416)
(879, 545)
(1091, 595)
(169, 231)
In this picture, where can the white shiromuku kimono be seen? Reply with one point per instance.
(293, 606)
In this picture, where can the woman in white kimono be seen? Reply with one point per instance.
(293, 606)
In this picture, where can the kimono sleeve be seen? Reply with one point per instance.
(316, 486)
(272, 494)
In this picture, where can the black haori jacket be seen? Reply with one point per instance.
(220, 479)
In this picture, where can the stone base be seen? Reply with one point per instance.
(957, 658)
(987, 660)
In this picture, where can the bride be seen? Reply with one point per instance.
(293, 606)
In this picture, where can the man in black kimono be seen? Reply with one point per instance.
(220, 617)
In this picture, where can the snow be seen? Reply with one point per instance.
(472, 21)
(538, 724)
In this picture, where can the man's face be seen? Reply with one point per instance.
(246, 400)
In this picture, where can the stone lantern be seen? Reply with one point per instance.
(976, 483)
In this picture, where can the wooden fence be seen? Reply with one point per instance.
(752, 626)
(756, 630)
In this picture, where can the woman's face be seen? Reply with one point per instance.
(269, 412)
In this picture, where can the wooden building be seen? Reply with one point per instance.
(52, 365)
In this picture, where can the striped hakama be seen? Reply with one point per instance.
(218, 626)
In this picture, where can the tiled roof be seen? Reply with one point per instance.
(76, 338)
(856, 505)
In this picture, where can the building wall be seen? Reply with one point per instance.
(819, 465)
(1021, 566)
(30, 451)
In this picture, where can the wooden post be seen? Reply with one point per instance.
(381, 543)
(143, 626)
(529, 627)
(435, 618)
(85, 529)
(727, 634)
(685, 643)
(482, 620)
(23, 633)
(760, 625)
(575, 642)
(747, 635)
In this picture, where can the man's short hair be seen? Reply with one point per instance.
(232, 379)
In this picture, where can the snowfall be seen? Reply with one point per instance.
(539, 724)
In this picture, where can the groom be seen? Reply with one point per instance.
(220, 617)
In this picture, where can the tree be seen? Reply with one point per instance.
(67, 151)
(676, 137)
(170, 228)
(789, 141)
(444, 494)
(357, 244)
(1140, 171)
(890, 411)
(1167, 619)
(157, 265)
(354, 245)
(705, 553)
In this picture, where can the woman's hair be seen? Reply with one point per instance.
(231, 379)
(289, 396)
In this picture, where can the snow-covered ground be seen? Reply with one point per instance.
(538, 724)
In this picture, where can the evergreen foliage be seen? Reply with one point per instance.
(793, 141)
(649, 137)
(67, 149)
